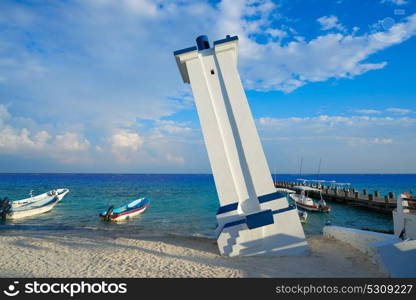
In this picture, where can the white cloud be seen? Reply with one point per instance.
(141, 66)
(68, 147)
(125, 145)
(396, 2)
(4, 113)
(277, 33)
(368, 111)
(355, 128)
(326, 119)
(232, 18)
(13, 140)
(330, 22)
(173, 127)
(355, 29)
(393, 110)
(165, 143)
(142, 7)
(73, 142)
(357, 142)
(125, 139)
(401, 111)
(286, 67)
(175, 159)
(353, 144)
(382, 141)
(90, 26)
(112, 66)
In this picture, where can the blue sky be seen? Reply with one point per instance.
(92, 85)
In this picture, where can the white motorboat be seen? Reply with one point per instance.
(304, 201)
(58, 192)
(43, 203)
(303, 215)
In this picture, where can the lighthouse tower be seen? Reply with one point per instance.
(253, 219)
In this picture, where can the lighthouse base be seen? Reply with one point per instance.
(267, 233)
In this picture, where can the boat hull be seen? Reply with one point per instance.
(31, 212)
(313, 207)
(19, 212)
(130, 212)
(128, 215)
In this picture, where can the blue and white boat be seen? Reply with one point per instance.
(32, 206)
(126, 211)
(60, 193)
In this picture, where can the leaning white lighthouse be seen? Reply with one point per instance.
(253, 219)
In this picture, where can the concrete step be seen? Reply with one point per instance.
(227, 238)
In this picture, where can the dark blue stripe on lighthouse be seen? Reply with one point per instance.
(270, 197)
(227, 39)
(259, 219)
(262, 199)
(182, 51)
(227, 208)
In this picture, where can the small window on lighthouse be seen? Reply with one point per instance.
(212, 72)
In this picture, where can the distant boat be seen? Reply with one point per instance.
(32, 206)
(304, 201)
(126, 211)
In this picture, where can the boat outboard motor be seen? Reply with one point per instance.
(5, 207)
(402, 234)
(321, 205)
(109, 213)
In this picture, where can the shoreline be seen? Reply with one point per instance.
(100, 253)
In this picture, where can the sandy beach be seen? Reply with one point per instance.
(91, 253)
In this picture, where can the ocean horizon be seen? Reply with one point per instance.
(183, 204)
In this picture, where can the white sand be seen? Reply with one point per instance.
(103, 254)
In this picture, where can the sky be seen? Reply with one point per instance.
(92, 85)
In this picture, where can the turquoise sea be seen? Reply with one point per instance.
(180, 204)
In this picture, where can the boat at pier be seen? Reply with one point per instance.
(304, 201)
(303, 215)
(126, 211)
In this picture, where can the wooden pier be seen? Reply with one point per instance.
(372, 201)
